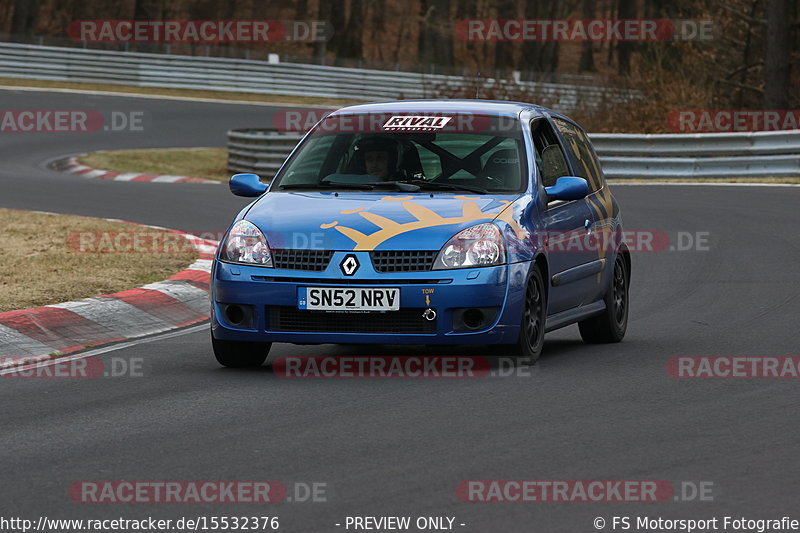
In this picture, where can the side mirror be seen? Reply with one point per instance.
(568, 188)
(247, 185)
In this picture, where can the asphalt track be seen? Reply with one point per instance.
(400, 447)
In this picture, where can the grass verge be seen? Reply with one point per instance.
(208, 163)
(180, 93)
(41, 261)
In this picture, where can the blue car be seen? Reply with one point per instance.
(424, 222)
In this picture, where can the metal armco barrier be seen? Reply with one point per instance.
(699, 155)
(240, 75)
(259, 151)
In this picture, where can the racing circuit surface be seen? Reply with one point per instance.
(401, 446)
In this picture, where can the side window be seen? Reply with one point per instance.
(584, 157)
(549, 155)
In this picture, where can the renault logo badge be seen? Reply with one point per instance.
(349, 265)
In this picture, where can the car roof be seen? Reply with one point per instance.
(483, 107)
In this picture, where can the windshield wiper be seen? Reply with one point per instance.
(328, 185)
(422, 184)
(403, 186)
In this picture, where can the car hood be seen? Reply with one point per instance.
(373, 221)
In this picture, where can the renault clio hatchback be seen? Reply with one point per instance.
(424, 222)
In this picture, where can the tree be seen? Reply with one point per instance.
(148, 9)
(776, 62)
(23, 20)
(504, 50)
(435, 36)
(587, 47)
(352, 38)
(626, 9)
(321, 46)
(536, 55)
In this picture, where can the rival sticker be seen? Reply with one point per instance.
(415, 123)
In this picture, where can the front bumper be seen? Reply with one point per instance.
(266, 292)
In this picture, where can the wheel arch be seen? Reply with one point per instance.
(541, 261)
(626, 256)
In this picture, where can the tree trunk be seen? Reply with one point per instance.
(352, 46)
(148, 10)
(336, 19)
(23, 20)
(321, 46)
(540, 56)
(435, 35)
(626, 10)
(776, 62)
(504, 50)
(587, 47)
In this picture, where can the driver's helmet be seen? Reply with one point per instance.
(383, 143)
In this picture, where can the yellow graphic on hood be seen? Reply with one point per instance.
(425, 218)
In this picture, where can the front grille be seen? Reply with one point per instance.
(406, 320)
(402, 260)
(312, 260)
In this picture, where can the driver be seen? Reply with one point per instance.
(381, 156)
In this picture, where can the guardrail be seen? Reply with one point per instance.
(261, 77)
(259, 151)
(700, 155)
(656, 156)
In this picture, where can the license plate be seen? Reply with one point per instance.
(348, 299)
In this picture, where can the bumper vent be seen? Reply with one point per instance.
(406, 320)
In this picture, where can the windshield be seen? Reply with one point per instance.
(482, 154)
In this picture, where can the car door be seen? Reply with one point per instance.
(602, 206)
(566, 225)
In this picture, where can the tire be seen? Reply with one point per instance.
(612, 324)
(534, 314)
(239, 354)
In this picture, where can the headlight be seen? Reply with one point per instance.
(478, 246)
(246, 244)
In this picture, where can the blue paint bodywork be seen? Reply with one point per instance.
(576, 279)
